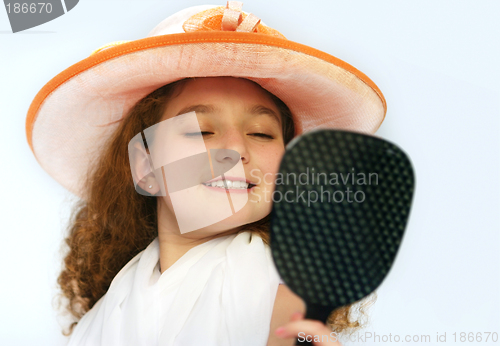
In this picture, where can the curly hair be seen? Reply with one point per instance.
(106, 230)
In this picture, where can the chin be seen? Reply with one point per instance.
(243, 217)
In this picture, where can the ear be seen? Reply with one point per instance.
(142, 170)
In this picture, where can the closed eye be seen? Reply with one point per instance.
(195, 134)
(263, 135)
(204, 133)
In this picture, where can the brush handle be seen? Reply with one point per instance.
(315, 312)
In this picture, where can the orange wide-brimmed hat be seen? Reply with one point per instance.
(74, 113)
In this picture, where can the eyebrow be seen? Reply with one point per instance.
(198, 109)
(262, 110)
(254, 110)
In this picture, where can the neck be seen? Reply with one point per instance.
(173, 244)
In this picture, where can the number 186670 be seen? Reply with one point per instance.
(29, 8)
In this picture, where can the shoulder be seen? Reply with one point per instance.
(285, 304)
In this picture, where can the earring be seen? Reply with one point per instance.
(150, 186)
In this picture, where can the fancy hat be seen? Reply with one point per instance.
(74, 114)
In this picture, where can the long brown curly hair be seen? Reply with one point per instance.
(114, 223)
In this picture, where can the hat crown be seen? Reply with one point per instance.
(173, 23)
(207, 18)
(213, 18)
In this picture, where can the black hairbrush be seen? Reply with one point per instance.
(335, 233)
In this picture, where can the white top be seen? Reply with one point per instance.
(220, 293)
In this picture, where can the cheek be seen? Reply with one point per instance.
(270, 160)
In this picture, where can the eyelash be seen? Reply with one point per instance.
(195, 134)
(263, 135)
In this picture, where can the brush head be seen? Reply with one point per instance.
(341, 204)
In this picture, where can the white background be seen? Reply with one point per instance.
(436, 63)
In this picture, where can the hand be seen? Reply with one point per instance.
(315, 331)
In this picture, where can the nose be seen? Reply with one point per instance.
(234, 143)
(226, 156)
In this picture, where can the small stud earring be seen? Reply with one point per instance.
(150, 186)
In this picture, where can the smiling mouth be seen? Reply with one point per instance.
(231, 184)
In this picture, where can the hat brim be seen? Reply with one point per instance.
(76, 111)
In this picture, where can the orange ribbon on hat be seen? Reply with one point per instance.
(232, 20)
(232, 16)
(229, 18)
(249, 23)
(109, 45)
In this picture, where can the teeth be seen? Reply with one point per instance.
(230, 184)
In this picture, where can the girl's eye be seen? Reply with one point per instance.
(263, 135)
(197, 134)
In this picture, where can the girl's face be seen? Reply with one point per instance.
(231, 113)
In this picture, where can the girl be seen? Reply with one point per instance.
(165, 256)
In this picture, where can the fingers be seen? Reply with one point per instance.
(297, 316)
(310, 330)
